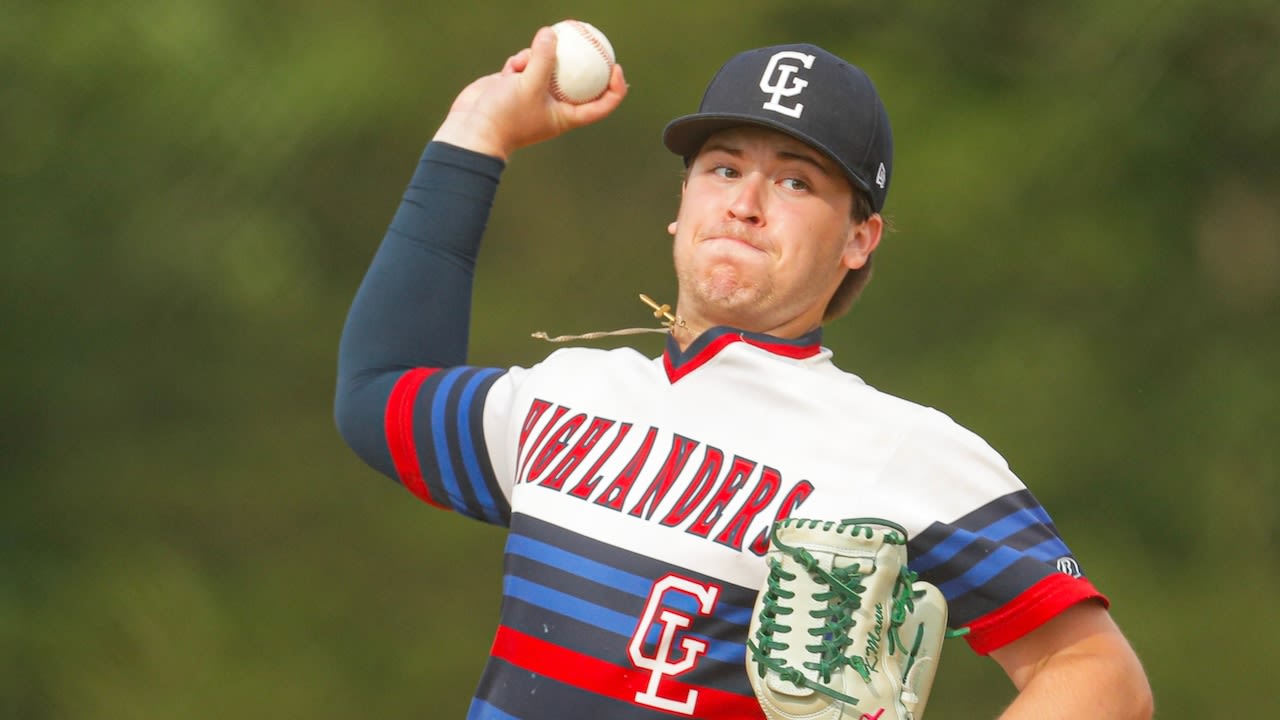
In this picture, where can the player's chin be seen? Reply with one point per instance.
(728, 289)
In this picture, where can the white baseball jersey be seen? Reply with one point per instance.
(639, 492)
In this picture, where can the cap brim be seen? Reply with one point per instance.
(685, 136)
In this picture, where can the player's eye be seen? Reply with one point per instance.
(795, 184)
(725, 171)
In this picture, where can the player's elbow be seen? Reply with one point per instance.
(1148, 707)
(1144, 701)
(1081, 651)
(358, 413)
(343, 412)
(1131, 690)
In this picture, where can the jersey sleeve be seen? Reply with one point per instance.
(991, 548)
(405, 401)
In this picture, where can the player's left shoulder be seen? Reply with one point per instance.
(856, 392)
(919, 425)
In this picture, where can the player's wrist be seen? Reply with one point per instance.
(473, 134)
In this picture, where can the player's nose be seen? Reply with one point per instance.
(746, 203)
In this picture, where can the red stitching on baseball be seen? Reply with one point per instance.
(591, 38)
(556, 91)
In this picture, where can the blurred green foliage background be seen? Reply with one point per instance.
(1084, 268)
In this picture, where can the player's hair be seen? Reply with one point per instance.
(851, 287)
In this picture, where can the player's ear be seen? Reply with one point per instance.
(862, 240)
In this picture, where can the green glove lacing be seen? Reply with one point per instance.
(838, 602)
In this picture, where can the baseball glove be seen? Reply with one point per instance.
(842, 629)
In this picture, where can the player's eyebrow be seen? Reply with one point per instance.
(720, 146)
(813, 159)
(800, 155)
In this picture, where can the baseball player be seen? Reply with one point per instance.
(639, 493)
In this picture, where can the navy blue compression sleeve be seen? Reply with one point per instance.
(413, 308)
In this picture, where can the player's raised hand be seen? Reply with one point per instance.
(513, 108)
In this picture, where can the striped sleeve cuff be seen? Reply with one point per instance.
(435, 434)
(1037, 605)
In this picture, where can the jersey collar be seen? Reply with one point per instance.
(679, 363)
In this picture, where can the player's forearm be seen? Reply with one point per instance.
(414, 305)
(1102, 682)
(413, 308)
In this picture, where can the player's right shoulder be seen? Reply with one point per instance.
(590, 360)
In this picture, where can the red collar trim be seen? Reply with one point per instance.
(679, 364)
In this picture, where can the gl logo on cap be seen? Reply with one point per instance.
(779, 82)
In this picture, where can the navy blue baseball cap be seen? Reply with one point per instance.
(807, 93)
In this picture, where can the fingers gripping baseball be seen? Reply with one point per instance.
(513, 108)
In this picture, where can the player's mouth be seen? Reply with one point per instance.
(720, 236)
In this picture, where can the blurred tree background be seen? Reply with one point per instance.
(1084, 268)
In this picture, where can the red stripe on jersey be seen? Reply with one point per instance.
(1035, 606)
(613, 681)
(399, 428)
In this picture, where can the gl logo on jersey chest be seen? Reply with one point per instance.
(780, 81)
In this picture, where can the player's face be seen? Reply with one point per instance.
(764, 234)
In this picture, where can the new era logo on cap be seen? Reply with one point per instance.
(803, 91)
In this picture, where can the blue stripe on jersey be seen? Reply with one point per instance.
(1000, 559)
(566, 604)
(620, 624)
(548, 554)
(470, 458)
(1049, 551)
(598, 572)
(997, 531)
(441, 429)
(481, 710)
(439, 436)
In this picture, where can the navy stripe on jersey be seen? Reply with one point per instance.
(600, 620)
(543, 698)
(610, 576)
(587, 599)
(988, 556)
(538, 697)
(607, 588)
(448, 437)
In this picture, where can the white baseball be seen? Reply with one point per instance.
(584, 62)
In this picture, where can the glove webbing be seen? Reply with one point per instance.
(841, 600)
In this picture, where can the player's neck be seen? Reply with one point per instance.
(689, 330)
